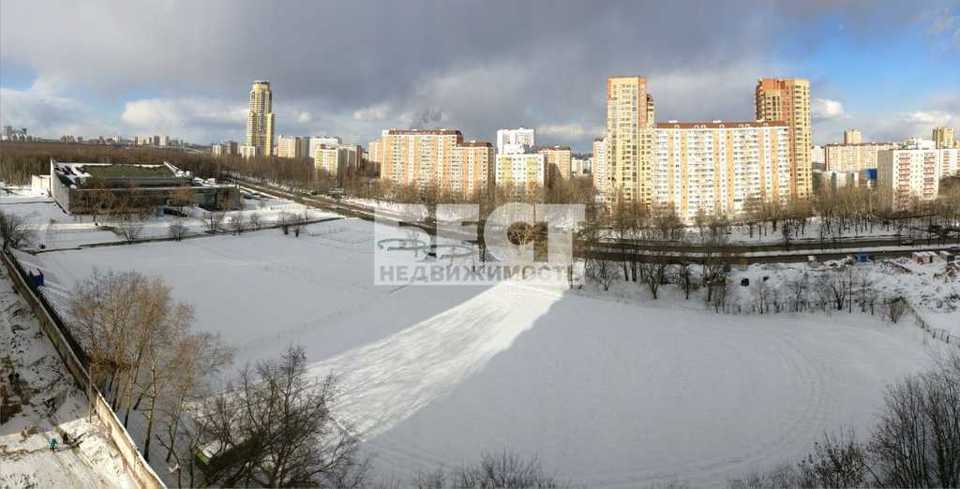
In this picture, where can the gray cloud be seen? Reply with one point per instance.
(357, 67)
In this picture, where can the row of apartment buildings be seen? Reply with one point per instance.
(442, 159)
(711, 167)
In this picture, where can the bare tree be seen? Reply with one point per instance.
(837, 462)
(275, 429)
(430, 480)
(237, 223)
(894, 309)
(195, 357)
(653, 272)
(177, 230)
(213, 222)
(504, 470)
(784, 476)
(14, 230)
(917, 442)
(181, 199)
(255, 221)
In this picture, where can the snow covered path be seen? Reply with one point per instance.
(391, 379)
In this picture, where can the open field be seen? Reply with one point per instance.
(607, 392)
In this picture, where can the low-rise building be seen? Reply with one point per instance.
(83, 188)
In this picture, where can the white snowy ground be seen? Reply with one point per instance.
(55, 405)
(608, 393)
(932, 293)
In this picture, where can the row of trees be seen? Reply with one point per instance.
(142, 350)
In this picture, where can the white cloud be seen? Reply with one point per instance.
(50, 115)
(377, 112)
(196, 119)
(825, 109)
(569, 131)
(304, 117)
(929, 118)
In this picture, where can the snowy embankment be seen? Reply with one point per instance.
(54, 229)
(607, 393)
(51, 405)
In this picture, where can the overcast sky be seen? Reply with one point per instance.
(351, 67)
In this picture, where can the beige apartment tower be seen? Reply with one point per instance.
(944, 138)
(558, 160)
(629, 139)
(260, 122)
(852, 136)
(788, 100)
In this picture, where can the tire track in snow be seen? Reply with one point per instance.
(388, 381)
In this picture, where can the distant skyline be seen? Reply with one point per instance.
(888, 68)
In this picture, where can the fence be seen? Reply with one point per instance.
(75, 360)
(937, 333)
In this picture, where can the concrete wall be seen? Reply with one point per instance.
(55, 331)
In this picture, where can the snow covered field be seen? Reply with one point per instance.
(609, 393)
(52, 405)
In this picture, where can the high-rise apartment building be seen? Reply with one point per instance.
(630, 116)
(717, 168)
(226, 148)
(788, 100)
(335, 160)
(293, 147)
(417, 156)
(818, 156)
(260, 121)
(314, 142)
(852, 136)
(579, 166)
(853, 157)
(949, 162)
(520, 174)
(434, 158)
(559, 160)
(598, 166)
(515, 140)
(944, 138)
(248, 151)
(471, 169)
(907, 176)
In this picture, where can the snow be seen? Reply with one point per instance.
(609, 391)
(55, 406)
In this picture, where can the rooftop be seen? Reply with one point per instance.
(126, 171)
(718, 124)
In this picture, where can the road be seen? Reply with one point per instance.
(796, 251)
